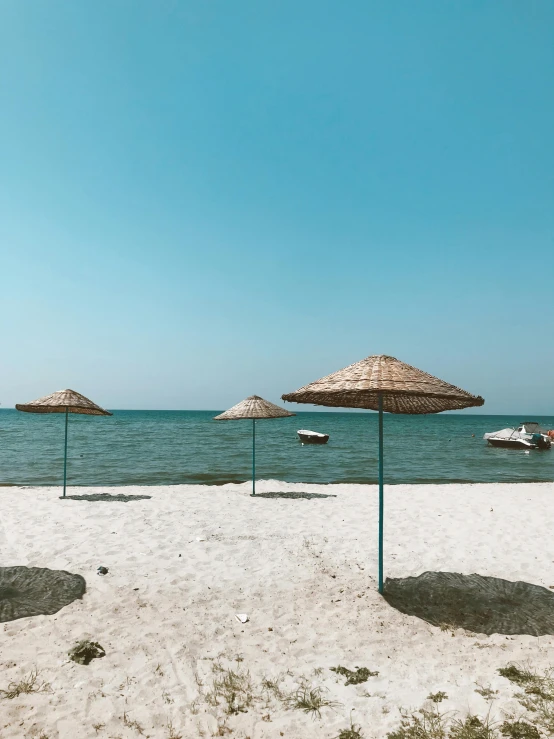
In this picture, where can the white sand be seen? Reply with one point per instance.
(303, 570)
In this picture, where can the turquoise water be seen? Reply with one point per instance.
(172, 447)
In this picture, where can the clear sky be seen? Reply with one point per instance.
(204, 200)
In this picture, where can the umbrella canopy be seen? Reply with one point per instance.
(384, 383)
(64, 401)
(403, 388)
(61, 401)
(253, 407)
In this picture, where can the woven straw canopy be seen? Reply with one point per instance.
(36, 591)
(253, 407)
(404, 389)
(64, 399)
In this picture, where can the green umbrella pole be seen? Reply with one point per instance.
(253, 456)
(381, 496)
(65, 452)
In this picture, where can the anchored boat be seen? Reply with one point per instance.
(529, 435)
(312, 437)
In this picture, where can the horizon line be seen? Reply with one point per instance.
(353, 411)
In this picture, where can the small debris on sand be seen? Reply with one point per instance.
(85, 651)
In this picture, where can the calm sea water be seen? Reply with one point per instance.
(172, 447)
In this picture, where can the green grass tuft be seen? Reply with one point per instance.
(310, 700)
(514, 674)
(354, 677)
(537, 696)
(234, 688)
(424, 724)
(519, 730)
(487, 692)
(353, 732)
(472, 727)
(437, 697)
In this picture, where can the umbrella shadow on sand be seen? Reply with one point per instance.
(107, 498)
(294, 496)
(484, 605)
(36, 591)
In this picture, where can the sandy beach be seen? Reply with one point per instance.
(185, 561)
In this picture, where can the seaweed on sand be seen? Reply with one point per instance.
(85, 651)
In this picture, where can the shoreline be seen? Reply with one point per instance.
(232, 484)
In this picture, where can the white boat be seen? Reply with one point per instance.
(312, 437)
(528, 435)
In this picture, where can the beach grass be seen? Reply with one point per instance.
(28, 684)
(310, 700)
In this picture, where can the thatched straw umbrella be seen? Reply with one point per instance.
(253, 407)
(382, 383)
(64, 401)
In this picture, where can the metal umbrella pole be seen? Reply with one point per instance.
(253, 456)
(381, 494)
(65, 452)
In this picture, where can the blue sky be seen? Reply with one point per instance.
(204, 200)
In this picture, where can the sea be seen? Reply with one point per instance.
(176, 447)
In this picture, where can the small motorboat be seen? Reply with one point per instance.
(312, 437)
(529, 435)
